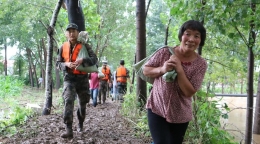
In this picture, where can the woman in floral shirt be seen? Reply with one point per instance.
(170, 103)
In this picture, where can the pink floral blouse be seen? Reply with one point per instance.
(167, 99)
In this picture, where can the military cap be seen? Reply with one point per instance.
(72, 26)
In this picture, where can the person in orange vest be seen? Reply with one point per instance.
(104, 83)
(76, 83)
(122, 77)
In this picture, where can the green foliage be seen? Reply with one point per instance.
(206, 127)
(12, 114)
(10, 86)
(131, 111)
(16, 116)
(92, 19)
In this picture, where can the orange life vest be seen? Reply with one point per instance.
(121, 74)
(106, 72)
(71, 58)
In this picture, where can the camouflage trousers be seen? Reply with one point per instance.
(75, 86)
(102, 92)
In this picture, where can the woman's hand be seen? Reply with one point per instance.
(176, 63)
(168, 65)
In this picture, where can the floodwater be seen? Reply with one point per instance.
(236, 123)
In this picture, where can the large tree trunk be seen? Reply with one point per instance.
(75, 13)
(141, 89)
(250, 90)
(48, 86)
(203, 2)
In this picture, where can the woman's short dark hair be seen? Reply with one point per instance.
(193, 25)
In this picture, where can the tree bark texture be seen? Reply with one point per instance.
(48, 86)
(203, 2)
(42, 65)
(31, 69)
(5, 64)
(30, 75)
(250, 74)
(167, 32)
(141, 89)
(75, 13)
(20, 64)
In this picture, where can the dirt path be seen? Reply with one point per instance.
(103, 125)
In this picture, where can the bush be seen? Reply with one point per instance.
(205, 127)
(11, 86)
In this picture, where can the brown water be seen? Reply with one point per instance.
(236, 123)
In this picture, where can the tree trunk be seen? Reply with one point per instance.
(35, 74)
(20, 63)
(40, 52)
(256, 129)
(167, 32)
(31, 69)
(250, 90)
(48, 88)
(5, 64)
(203, 2)
(30, 75)
(141, 89)
(75, 13)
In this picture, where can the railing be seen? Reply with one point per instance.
(233, 95)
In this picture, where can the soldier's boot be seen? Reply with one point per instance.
(80, 127)
(68, 133)
(81, 120)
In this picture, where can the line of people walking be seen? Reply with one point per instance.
(114, 85)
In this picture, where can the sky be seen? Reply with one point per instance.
(11, 51)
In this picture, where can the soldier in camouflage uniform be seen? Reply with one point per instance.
(76, 83)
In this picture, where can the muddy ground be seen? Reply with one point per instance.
(103, 125)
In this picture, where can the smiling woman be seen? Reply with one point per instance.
(170, 103)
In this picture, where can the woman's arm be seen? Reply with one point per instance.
(184, 84)
(158, 71)
(152, 71)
